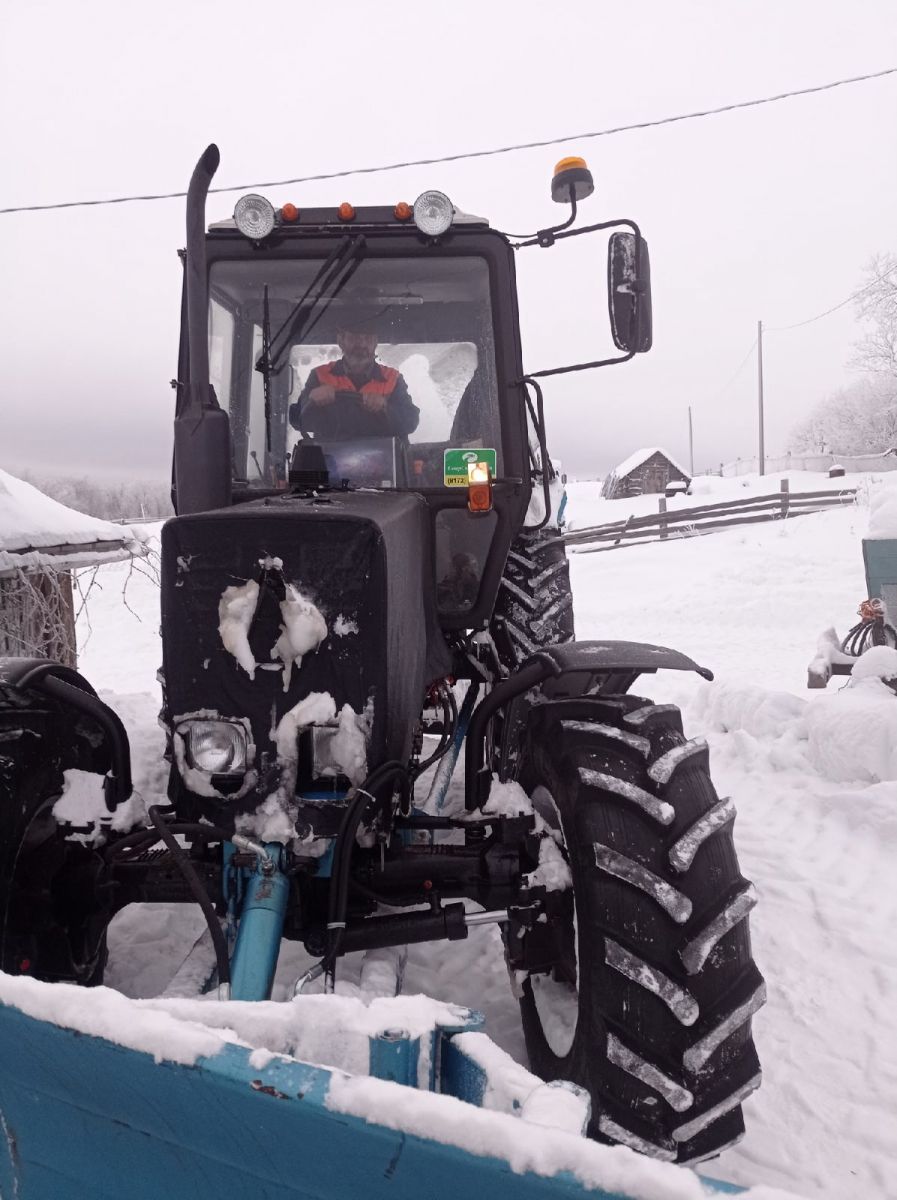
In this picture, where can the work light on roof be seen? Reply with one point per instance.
(254, 216)
(433, 213)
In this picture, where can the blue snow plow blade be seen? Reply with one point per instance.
(84, 1118)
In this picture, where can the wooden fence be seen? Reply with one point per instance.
(704, 518)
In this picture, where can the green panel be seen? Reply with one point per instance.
(457, 461)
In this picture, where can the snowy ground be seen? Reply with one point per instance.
(814, 777)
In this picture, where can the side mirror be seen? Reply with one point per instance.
(629, 292)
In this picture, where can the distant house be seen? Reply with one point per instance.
(645, 471)
(41, 542)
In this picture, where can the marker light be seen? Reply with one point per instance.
(346, 212)
(254, 216)
(479, 488)
(571, 172)
(403, 211)
(290, 212)
(433, 213)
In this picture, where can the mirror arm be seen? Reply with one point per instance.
(588, 366)
(561, 231)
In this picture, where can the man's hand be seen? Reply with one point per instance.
(322, 395)
(373, 402)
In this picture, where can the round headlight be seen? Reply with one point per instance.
(254, 216)
(216, 747)
(433, 213)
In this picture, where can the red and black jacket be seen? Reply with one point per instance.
(347, 418)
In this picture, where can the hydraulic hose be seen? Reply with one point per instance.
(200, 894)
(342, 855)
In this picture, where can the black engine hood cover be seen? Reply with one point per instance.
(364, 560)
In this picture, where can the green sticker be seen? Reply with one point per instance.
(456, 464)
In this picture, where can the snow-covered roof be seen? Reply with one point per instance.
(37, 532)
(640, 456)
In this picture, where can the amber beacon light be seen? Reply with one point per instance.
(572, 173)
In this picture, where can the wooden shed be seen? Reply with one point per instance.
(42, 542)
(650, 470)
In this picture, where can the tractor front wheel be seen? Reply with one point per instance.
(642, 987)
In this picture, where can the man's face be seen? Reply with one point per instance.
(358, 349)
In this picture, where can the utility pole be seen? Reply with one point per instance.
(691, 445)
(762, 448)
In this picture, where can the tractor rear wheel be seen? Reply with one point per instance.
(646, 993)
(534, 607)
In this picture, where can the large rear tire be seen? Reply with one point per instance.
(649, 998)
(534, 606)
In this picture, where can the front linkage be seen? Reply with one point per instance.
(419, 855)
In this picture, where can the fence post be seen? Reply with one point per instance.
(783, 488)
(662, 509)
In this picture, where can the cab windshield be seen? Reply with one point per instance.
(387, 366)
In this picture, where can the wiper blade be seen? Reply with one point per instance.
(347, 254)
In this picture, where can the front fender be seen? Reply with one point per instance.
(600, 667)
(591, 668)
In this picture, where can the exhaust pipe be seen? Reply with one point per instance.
(202, 447)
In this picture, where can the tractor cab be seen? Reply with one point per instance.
(445, 410)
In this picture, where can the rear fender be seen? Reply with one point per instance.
(83, 731)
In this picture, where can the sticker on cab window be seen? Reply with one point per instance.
(457, 464)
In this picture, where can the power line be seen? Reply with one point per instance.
(450, 158)
(736, 372)
(834, 308)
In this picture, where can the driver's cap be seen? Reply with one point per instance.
(361, 318)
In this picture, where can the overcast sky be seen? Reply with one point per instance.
(767, 213)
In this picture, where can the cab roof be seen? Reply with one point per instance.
(380, 216)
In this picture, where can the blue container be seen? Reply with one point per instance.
(880, 558)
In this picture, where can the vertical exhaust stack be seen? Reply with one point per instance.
(202, 448)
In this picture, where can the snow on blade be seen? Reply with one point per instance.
(681, 1003)
(669, 898)
(682, 853)
(526, 1147)
(697, 951)
(679, 1098)
(659, 809)
(686, 1132)
(642, 745)
(661, 769)
(627, 1138)
(698, 1054)
(303, 629)
(236, 608)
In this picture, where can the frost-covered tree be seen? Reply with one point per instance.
(876, 307)
(858, 419)
(112, 499)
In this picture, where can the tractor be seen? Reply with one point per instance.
(350, 603)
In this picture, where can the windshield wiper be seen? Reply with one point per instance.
(337, 269)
